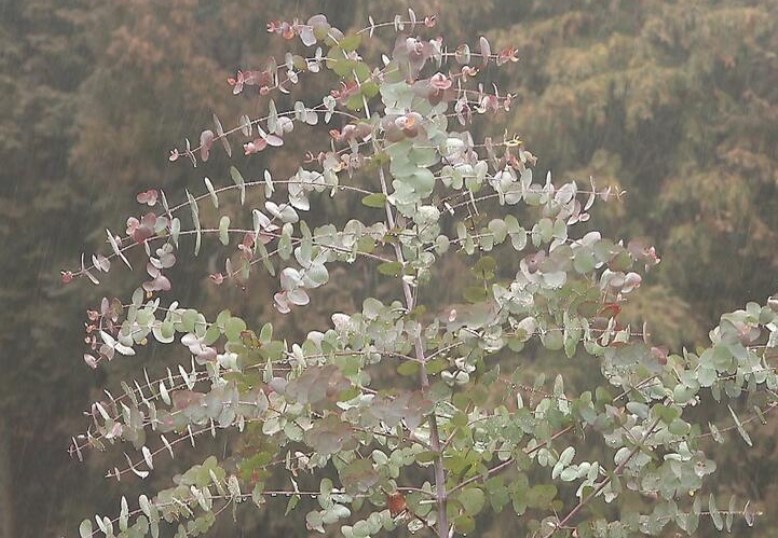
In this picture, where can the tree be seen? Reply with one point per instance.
(404, 412)
(674, 102)
(43, 60)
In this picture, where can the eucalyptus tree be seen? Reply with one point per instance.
(401, 413)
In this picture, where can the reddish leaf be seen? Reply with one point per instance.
(206, 141)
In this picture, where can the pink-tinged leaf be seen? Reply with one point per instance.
(439, 81)
(631, 281)
(509, 54)
(430, 21)
(67, 276)
(205, 354)
(255, 146)
(158, 283)
(318, 21)
(281, 302)
(165, 260)
(143, 229)
(206, 141)
(486, 50)
(273, 140)
(217, 278)
(248, 241)
(148, 197)
(237, 82)
(285, 125)
(190, 340)
(173, 155)
(307, 36)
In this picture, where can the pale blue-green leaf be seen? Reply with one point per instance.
(212, 193)
(569, 474)
(499, 230)
(316, 275)
(265, 257)
(272, 117)
(583, 261)
(175, 230)
(86, 529)
(116, 249)
(715, 515)
(421, 180)
(442, 243)
(220, 133)
(237, 178)
(224, 230)
(567, 455)
(298, 297)
(124, 515)
(285, 246)
(268, 184)
(196, 220)
(740, 429)
(473, 500)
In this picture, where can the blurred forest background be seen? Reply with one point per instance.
(675, 102)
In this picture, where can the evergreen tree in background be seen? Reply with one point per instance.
(674, 102)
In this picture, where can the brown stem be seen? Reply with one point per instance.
(441, 495)
(620, 467)
(497, 468)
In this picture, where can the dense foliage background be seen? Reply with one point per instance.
(675, 102)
